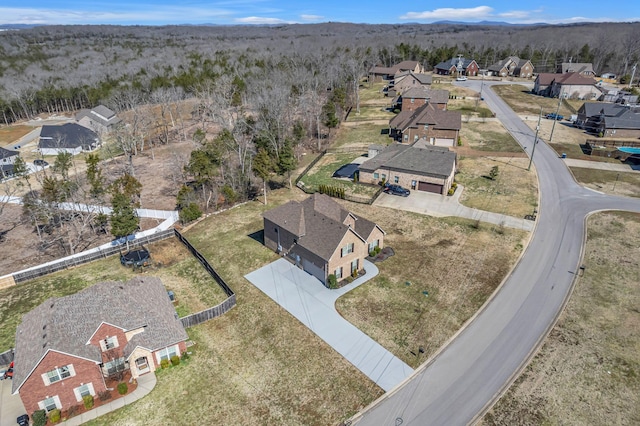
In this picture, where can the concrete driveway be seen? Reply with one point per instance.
(10, 405)
(440, 206)
(307, 299)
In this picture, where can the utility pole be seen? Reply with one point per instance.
(633, 73)
(535, 140)
(553, 126)
(480, 96)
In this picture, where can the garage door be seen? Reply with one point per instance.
(443, 142)
(430, 187)
(314, 270)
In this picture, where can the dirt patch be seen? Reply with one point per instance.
(588, 371)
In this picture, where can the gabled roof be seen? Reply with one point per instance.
(453, 62)
(427, 114)
(431, 161)
(69, 135)
(420, 78)
(100, 114)
(574, 79)
(591, 109)
(435, 96)
(318, 223)
(546, 78)
(66, 324)
(503, 63)
(7, 153)
(578, 67)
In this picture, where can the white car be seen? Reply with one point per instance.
(461, 78)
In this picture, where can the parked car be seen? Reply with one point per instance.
(41, 163)
(554, 116)
(461, 78)
(8, 374)
(397, 190)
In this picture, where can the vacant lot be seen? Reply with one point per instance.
(490, 136)
(514, 191)
(195, 290)
(608, 181)
(362, 134)
(9, 134)
(522, 101)
(443, 271)
(588, 371)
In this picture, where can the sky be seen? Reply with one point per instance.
(238, 12)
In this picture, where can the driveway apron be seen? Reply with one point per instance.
(307, 299)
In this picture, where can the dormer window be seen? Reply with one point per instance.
(109, 343)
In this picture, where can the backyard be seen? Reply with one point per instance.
(588, 371)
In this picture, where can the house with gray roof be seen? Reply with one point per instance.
(609, 120)
(511, 66)
(569, 85)
(67, 346)
(415, 97)
(321, 237)
(69, 137)
(438, 127)
(457, 66)
(378, 73)
(406, 80)
(583, 68)
(99, 119)
(420, 166)
(7, 158)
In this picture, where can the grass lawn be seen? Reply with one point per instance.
(361, 134)
(488, 136)
(257, 364)
(9, 134)
(588, 371)
(522, 101)
(457, 265)
(322, 172)
(610, 182)
(372, 92)
(514, 192)
(368, 113)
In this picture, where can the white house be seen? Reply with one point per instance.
(70, 137)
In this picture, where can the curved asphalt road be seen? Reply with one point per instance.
(458, 384)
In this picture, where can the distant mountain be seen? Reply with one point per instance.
(4, 27)
(488, 23)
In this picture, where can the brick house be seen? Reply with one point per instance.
(321, 236)
(419, 167)
(378, 73)
(570, 85)
(406, 80)
(512, 67)
(67, 346)
(585, 69)
(457, 66)
(438, 127)
(415, 97)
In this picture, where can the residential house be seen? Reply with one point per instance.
(615, 95)
(69, 137)
(585, 69)
(415, 97)
(67, 346)
(512, 67)
(321, 236)
(609, 120)
(99, 119)
(420, 167)
(457, 66)
(438, 127)
(378, 73)
(569, 85)
(7, 158)
(406, 80)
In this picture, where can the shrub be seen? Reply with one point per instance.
(104, 395)
(451, 191)
(354, 273)
(175, 360)
(454, 185)
(459, 141)
(123, 388)
(185, 356)
(190, 213)
(332, 281)
(73, 410)
(372, 253)
(39, 417)
(348, 279)
(88, 401)
(54, 416)
(164, 363)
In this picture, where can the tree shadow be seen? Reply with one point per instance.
(257, 236)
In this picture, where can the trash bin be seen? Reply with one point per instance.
(563, 155)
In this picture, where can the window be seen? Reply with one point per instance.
(110, 343)
(115, 366)
(346, 250)
(412, 100)
(376, 175)
(374, 244)
(49, 404)
(354, 265)
(406, 137)
(413, 184)
(83, 390)
(167, 353)
(58, 374)
(384, 177)
(396, 179)
(338, 273)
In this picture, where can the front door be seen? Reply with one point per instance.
(142, 365)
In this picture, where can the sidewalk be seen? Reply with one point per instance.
(307, 299)
(146, 383)
(599, 165)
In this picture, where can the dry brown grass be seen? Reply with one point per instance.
(609, 182)
(588, 371)
(514, 192)
(10, 134)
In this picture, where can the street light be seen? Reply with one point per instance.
(535, 140)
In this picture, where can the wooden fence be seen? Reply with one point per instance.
(208, 314)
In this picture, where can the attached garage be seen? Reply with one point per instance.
(430, 187)
(443, 142)
(313, 269)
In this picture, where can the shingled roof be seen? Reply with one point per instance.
(318, 223)
(427, 114)
(100, 114)
(66, 324)
(7, 153)
(69, 135)
(431, 161)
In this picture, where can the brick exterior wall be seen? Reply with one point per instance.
(107, 330)
(360, 251)
(34, 389)
(407, 105)
(271, 236)
(526, 70)
(413, 134)
(406, 179)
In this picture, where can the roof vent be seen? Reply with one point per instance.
(44, 327)
(121, 288)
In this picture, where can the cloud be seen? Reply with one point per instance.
(260, 20)
(311, 17)
(515, 14)
(448, 13)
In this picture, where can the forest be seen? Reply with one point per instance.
(247, 98)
